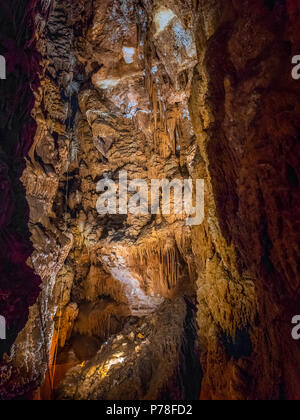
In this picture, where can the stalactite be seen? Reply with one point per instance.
(162, 255)
(96, 318)
(99, 283)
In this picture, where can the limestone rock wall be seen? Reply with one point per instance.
(46, 165)
(113, 96)
(245, 112)
(132, 116)
(19, 285)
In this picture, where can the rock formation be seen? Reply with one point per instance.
(145, 306)
(244, 108)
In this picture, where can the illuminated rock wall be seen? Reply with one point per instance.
(245, 112)
(113, 97)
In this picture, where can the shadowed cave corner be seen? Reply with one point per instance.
(19, 285)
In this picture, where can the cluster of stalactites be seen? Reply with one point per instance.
(101, 318)
(160, 258)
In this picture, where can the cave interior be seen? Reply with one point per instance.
(144, 305)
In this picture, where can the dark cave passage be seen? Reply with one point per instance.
(17, 130)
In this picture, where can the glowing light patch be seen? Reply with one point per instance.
(128, 54)
(154, 70)
(117, 359)
(108, 83)
(184, 38)
(162, 19)
(139, 303)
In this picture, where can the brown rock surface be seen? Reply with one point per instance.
(110, 100)
(245, 111)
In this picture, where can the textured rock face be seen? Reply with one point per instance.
(132, 107)
(19, 285)
(164, 89)
(133, 365)
(113, 96)
(246, 116)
